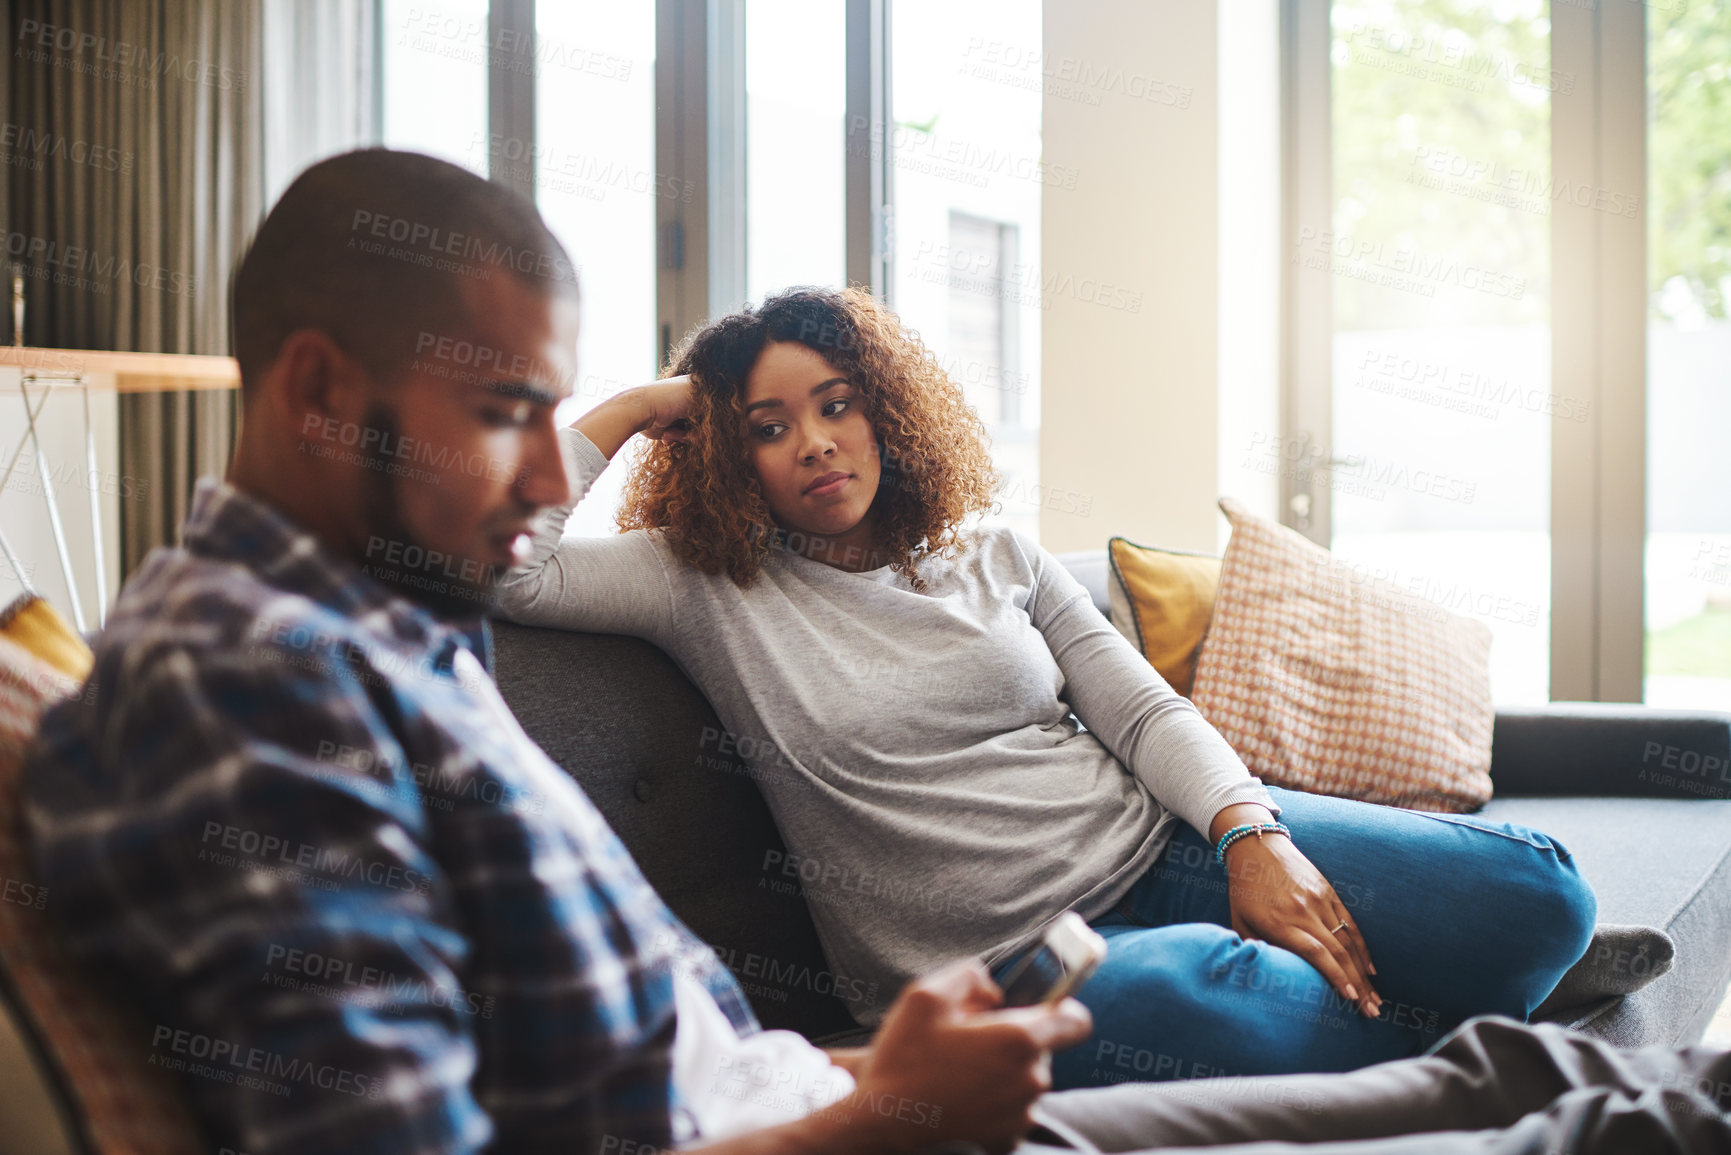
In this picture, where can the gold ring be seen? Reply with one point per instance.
(1339, 928)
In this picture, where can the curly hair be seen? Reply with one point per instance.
(934, 449)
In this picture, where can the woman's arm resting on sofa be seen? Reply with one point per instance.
(1190, 769)
(1157, 734)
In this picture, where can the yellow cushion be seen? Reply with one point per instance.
(1163, 601)
(33, 625)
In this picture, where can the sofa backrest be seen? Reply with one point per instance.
(644, 744)
(78, 1070)
(1092, 568)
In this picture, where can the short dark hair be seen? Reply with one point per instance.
(374, 247)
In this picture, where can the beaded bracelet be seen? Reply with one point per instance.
(1249, 828)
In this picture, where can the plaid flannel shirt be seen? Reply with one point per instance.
(360, 910)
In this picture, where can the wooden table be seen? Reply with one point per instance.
(132, 372)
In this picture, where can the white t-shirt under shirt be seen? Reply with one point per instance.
(727, 1085)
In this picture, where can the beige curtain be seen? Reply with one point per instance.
(166, 94)
(195, 127)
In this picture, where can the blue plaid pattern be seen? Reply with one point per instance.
(359, 909)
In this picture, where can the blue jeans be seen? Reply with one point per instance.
(1462, 917)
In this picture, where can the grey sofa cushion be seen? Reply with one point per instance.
(618, 715)
(1656, 862)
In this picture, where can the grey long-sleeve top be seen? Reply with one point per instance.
(917, 749)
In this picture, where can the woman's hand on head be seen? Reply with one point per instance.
(1278, 896)
(659, 410)
(666, 408)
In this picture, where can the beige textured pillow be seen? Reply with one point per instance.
(1330, 683)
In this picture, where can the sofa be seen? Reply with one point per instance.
(1640, 796)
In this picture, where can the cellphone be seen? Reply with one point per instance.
(1064, 958)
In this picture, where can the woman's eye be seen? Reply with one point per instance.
(765, 431)
(842, 401)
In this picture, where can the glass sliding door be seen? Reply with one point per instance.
(1438, 256)
(1688, 556)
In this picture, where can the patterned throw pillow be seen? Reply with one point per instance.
(1332, 683)
(125, 1106)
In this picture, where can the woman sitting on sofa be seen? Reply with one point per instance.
(902, 686)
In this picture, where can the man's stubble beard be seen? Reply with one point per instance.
(382, 506)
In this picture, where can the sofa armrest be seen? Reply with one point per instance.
(1611, 748)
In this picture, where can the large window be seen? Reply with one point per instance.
(686, 191)
(967, 173)
(795, 98)
(1525, 280)
(435, 78)
(590, 160)
(985, 322)
(596, 183)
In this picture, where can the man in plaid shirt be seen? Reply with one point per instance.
(362, 912)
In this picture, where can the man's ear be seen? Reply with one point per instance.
(314, 380)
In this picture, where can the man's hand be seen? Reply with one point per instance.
(949, 1063)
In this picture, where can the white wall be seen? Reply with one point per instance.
(1130, 271)
(23, 510)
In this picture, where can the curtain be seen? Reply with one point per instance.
(166, 96)
(322, 83)
(189, 126)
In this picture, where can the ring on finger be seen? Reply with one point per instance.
(1339, 928)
